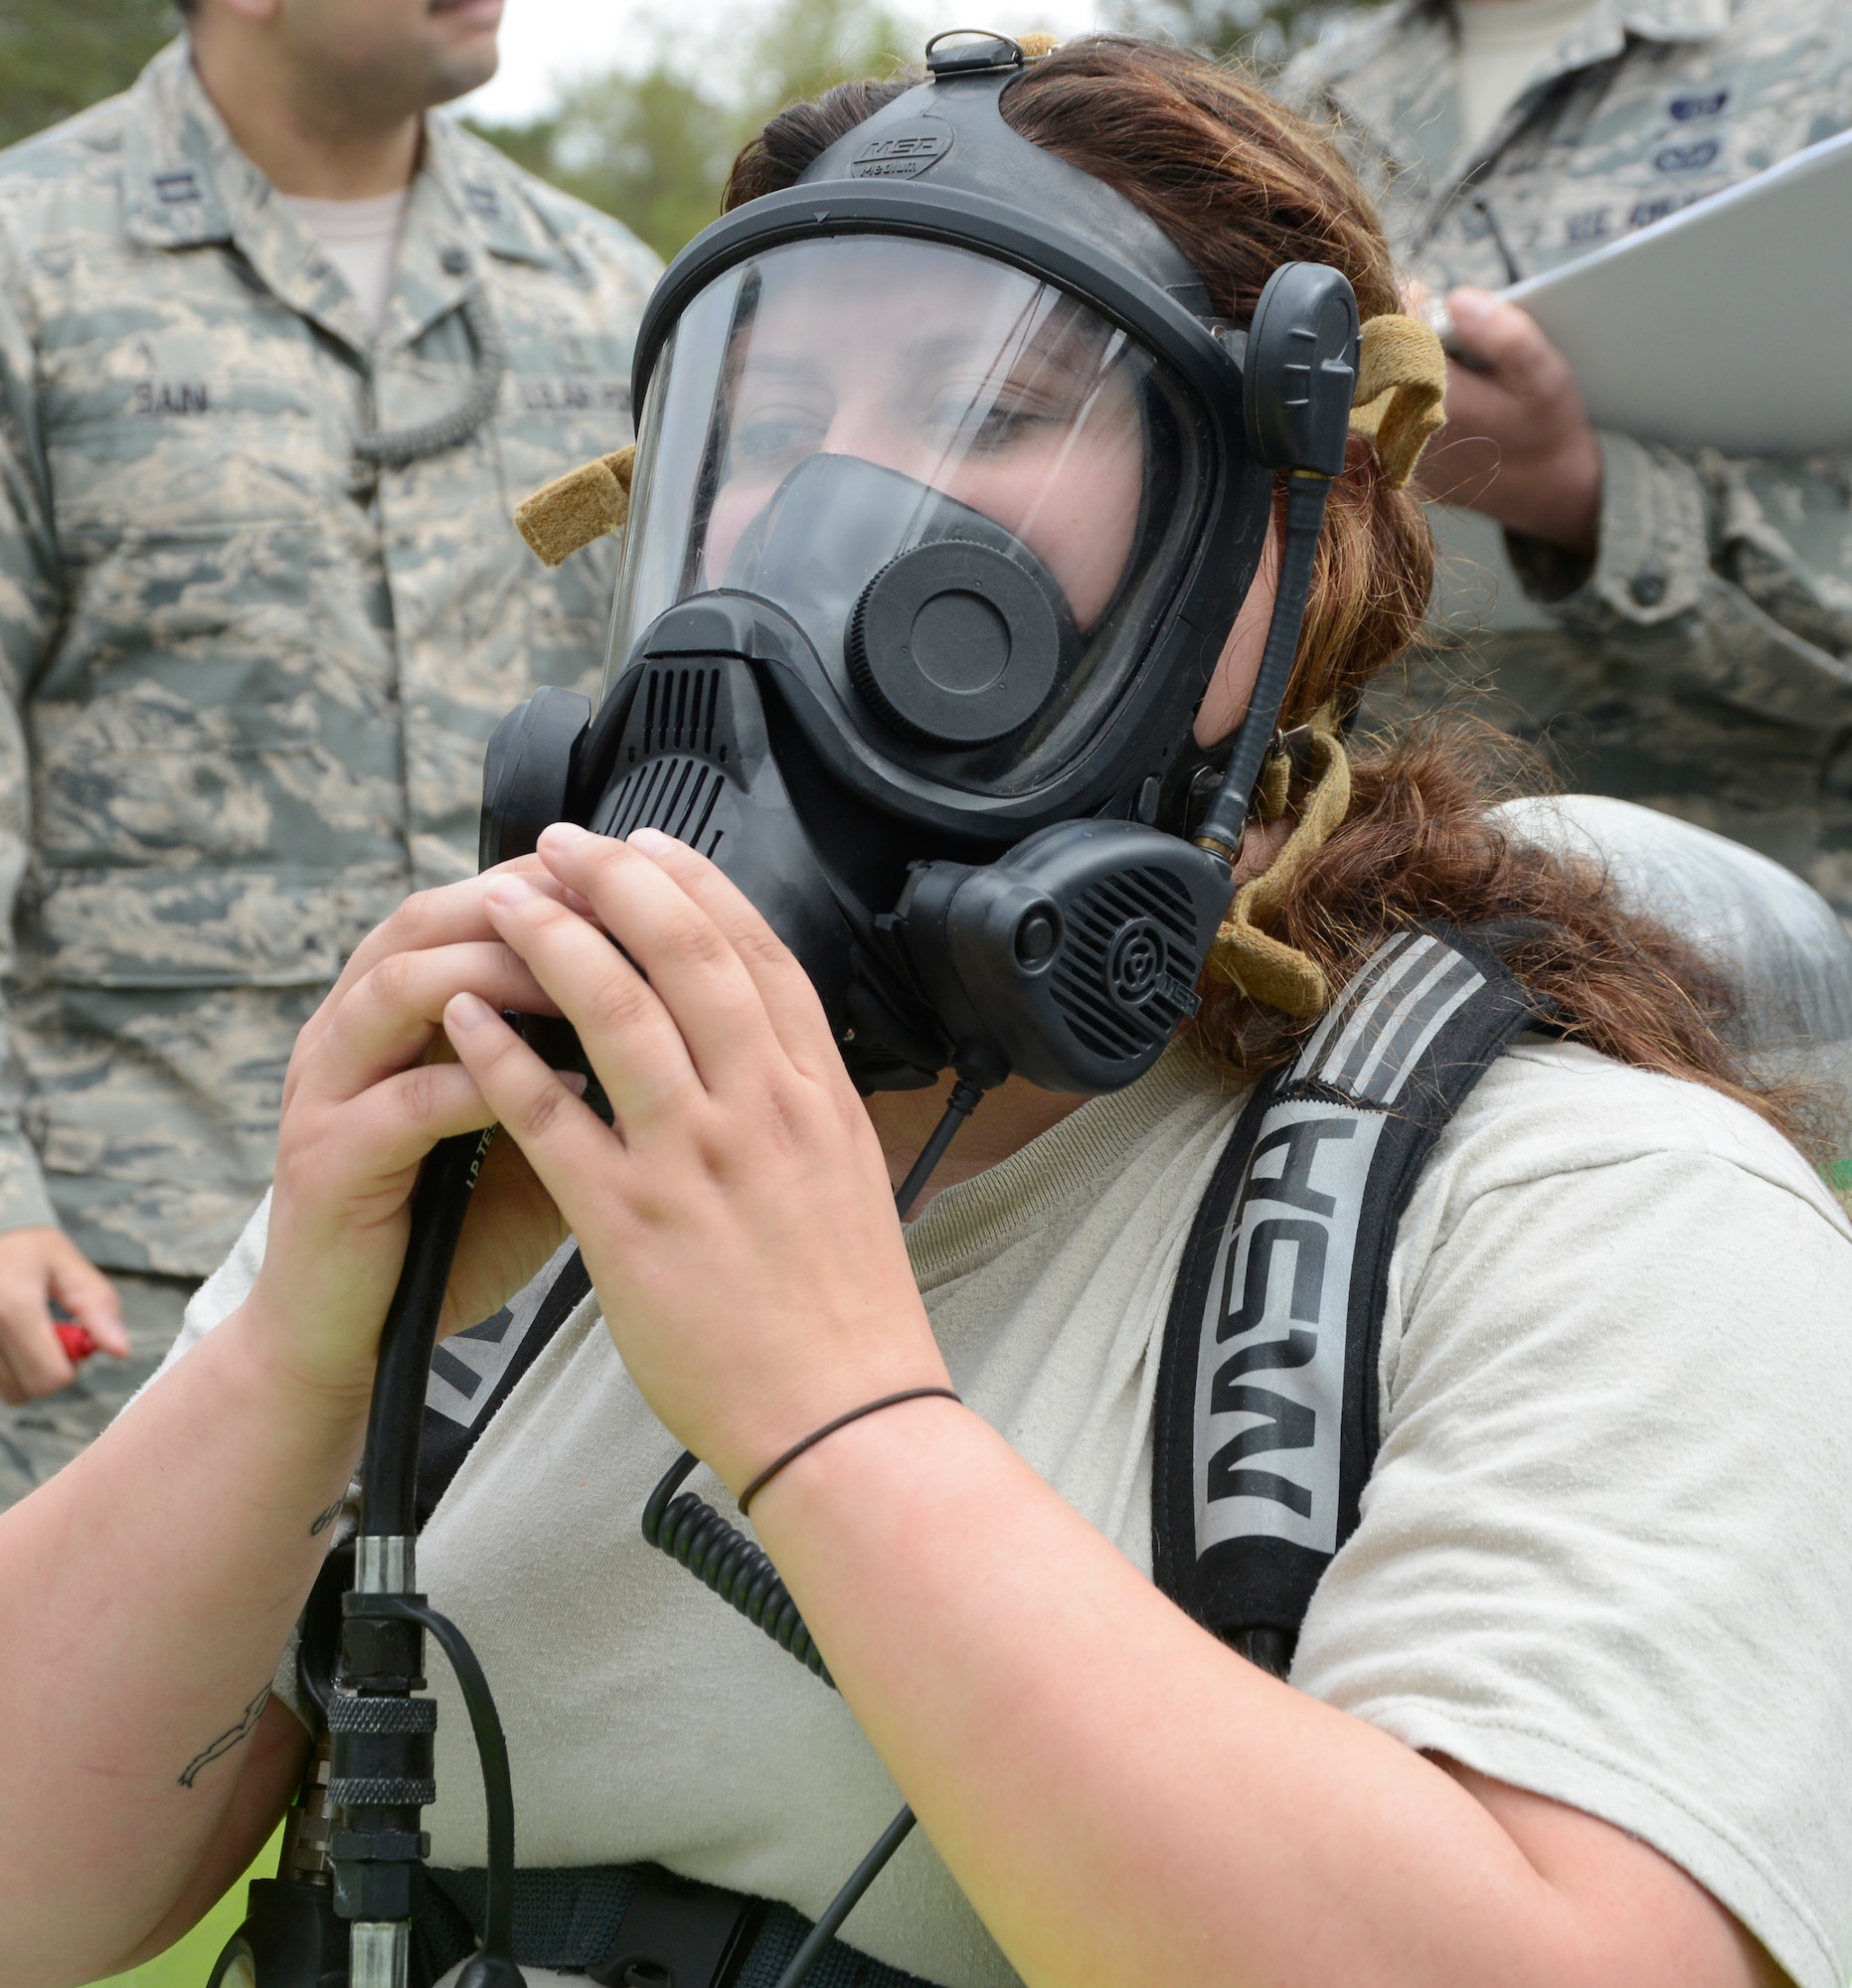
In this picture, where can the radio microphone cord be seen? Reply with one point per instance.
(737, 1569)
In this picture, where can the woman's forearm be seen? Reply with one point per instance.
(149, 1589)
(1123, 1798)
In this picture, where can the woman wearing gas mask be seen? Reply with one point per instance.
(939, 548)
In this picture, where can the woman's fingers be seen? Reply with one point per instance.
(567, 1146)
(397, 1120)
(790, 1001)
(391, 1015)
(639, 1049)
(451, 914)
(692, 967)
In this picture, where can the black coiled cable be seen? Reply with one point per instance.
(734, 1567)
(691, 1532)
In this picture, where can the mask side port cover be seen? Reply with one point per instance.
(528, 773)
(1075, 955)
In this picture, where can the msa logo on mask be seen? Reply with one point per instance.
(903, 155)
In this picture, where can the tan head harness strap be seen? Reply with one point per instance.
(1261, 966)
(578, 507)
(1401, 393)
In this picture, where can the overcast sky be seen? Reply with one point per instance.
(543, 40)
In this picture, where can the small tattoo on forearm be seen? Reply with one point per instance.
(245, 1727)
(327, 1518)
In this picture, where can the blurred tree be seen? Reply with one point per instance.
(1263, 33)
(653, 150)
(804, 47)
(654, 147)
(55, 56)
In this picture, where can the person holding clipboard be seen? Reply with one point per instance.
(1686, 634)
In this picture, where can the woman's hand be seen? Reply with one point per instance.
(363, 1103)
(736, 1218)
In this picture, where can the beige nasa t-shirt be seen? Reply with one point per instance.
(1603, 1554)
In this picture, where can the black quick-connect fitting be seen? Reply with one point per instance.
(384, 1773)
(384, 1769)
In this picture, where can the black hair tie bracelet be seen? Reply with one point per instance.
(815, 1436)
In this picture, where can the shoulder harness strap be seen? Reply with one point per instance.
(1266, 1399)
(473, 1373)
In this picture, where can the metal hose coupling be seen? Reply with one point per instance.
(383, 1770)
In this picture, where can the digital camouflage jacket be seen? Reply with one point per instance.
(247, 677)
(1705, 664)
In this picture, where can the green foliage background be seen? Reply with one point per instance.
(57, 55)
(653, 145)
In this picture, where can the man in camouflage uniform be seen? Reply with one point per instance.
(1682, 625)
(260, 607)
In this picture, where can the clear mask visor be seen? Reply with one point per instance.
(969, 489)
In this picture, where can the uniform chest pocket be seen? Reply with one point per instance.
(181, 440)
(188, 716)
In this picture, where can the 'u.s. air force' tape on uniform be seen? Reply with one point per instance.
(1266, 1413)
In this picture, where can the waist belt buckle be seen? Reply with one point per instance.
(676, 1933)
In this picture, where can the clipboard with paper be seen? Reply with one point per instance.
(1728, 324)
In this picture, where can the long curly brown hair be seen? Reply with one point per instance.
(1242, 186)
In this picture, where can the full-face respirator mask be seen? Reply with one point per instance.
(949, 484)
